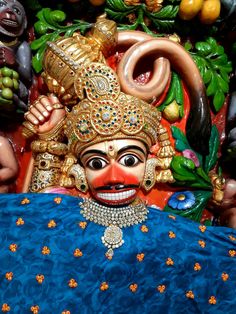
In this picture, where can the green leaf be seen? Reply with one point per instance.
(37, 60)
(118, 5)
(117, 16)
(37, 43)
(181, 142)
(212, 87)
(207, 76)
(186, 173)
(218, 100)
(203, 48)
(167, 12)
(224, 86)
(214, 143)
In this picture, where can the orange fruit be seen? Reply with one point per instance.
(189, 8)
(210, 11)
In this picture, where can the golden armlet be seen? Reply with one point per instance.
(48, 162)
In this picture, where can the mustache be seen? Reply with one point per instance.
(117, 187)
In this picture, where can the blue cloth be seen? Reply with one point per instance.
(53, 261)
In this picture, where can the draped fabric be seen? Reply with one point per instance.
(53, 261)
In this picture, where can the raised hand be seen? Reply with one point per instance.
(44, 114)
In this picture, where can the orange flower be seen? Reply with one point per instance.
(6, 307)
(133, 287)
(161, 288)
(9, 275)
(78, 253)
(169, 261)
(104, 286)
(13, 247)
(140, 257)
(40, 278)
(232, 238)
(57, 200)
(197, 267)
(189, 294)
(202, 243)
(52, 224)
(202, 228)
(20, 222)
(172, 235)
(46, 250)
(25, 201)
(144, 228)
(232, 253)
(224, 276)
(72, 283)
(82, 224)
(212, 300)
(34, 309)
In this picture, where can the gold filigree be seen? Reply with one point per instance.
(64, 57)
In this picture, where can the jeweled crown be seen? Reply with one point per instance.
(106, 113)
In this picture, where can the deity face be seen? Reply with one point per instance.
(115, 170)
(12, 18)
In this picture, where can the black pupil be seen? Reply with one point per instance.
(129, 161)
(97, 164)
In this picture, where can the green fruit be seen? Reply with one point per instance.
(1, 82)
(7, 93)
(7, 82)
(15, 75)
(15, 84)
(6, 71)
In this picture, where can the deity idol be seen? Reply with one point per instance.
(110, 252)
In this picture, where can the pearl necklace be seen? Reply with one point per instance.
(113, 218)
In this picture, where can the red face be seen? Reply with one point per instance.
(115, 170)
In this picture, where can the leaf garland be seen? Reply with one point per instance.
(214, 67)
(163, 20)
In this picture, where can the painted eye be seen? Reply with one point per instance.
(96, 164)
(17, 11)
(129, 160)
(2, 4)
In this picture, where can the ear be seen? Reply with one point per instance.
(78, 173)
(149, 179)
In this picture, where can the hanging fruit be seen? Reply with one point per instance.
(188, 9)
(207, 10)
(210, 11)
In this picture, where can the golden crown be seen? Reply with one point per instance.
(106, 113)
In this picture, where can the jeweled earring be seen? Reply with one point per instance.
(150, 173)
(79, 176)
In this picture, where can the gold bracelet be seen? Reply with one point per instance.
(54, 133)
(29, 129)
(52, 147)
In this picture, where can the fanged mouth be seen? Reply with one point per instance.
(116, 197)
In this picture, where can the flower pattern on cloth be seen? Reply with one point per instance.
(57, 262)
